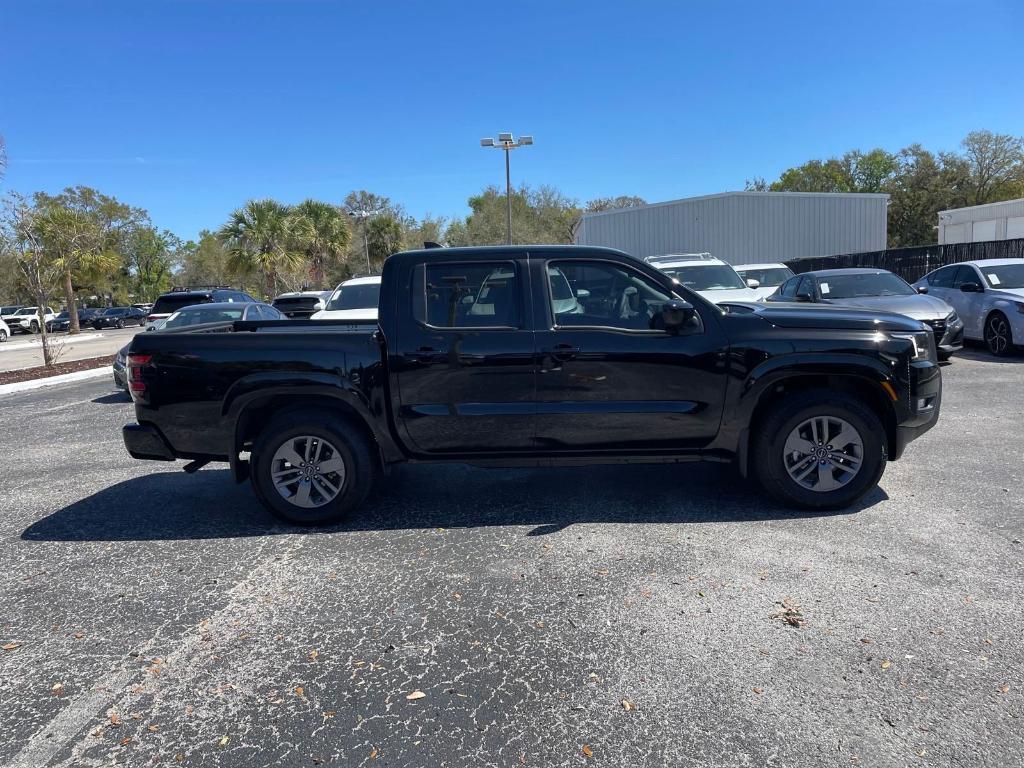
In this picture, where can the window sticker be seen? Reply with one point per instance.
(824, 287)
(993, 278)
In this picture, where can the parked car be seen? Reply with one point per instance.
(120, 381)
(119, 317)
(6, 313)
(62, 322)
(354, 299)
(170, 302)
(26, 320)
(810, 400)
(146, 307)
(300, 305)
(768, 276)
(712, 278)
(5, 332)
(222, 312)
(989, 297)
(867, 288)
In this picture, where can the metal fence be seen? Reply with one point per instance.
(913, 263)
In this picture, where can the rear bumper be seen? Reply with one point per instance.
(144, 441)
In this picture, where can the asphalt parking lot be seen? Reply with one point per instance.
(623, 616)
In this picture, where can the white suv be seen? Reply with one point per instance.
(768, 277)
(712, 278)
(28, 320)
(354, 299)
(989, 297)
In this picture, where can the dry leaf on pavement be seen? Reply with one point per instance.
(10, 646)
(416, 695)
(587, 751)
(224, 741)
(627, 705)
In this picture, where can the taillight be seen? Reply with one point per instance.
(133, 372)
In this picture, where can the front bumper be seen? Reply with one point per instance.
(920, 411)
(144, 441)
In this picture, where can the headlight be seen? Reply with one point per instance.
(922, 341)
(951, 318)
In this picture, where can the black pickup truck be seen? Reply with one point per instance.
(537, 356)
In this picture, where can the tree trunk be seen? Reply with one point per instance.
(44, 336)
(69, 298)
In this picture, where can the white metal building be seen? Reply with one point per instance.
(745, 227)
(994, 221)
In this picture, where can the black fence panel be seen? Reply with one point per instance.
(914, 263)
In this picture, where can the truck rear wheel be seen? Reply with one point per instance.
(819, 450)
(312, 470)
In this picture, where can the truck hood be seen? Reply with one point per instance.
(731, 295)
(919, 306)
(800, 315)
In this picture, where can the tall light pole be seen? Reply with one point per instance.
(507, 142)
(364, 216)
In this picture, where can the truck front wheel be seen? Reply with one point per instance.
(819, 450)
(312, 470)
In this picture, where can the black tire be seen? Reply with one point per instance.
(768, 449)
(352, 446)
(33, 327)
(3, 335)
(119, 325)
(998, 334)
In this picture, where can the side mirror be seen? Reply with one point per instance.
(922, 289)
(971, 288)
(803, 296)
(752, 283)
(676, 314)
(582, 293)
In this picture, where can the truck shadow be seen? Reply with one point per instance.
(209, 505)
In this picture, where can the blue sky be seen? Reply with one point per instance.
(190, 108)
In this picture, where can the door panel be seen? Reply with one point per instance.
(465, 365)
(622, 389)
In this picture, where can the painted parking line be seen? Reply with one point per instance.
(10, 346)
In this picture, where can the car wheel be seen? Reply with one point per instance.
(311, 470)
(819, 450)
(998, 336)
(119, 325)
(34, 327)
(3, 335)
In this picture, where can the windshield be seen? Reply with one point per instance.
(1004, 276)
(200, 314)
(63, 315)
(768, 277)
(365, 296)
(174, 302)
(860, 286)
(26, 311)
(707, 277)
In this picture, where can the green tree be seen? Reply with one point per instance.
(204, 263)
(259, 240)
(85, 232)
(150, 256)
(321, 233)
(995, 167)
(918, 191)
(541, 215)
(613, 203)
(383, 237)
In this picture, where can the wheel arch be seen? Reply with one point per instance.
(862, 386)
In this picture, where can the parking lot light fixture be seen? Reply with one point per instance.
(507, 142)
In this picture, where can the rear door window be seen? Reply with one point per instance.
(480, 294)
(942, 278)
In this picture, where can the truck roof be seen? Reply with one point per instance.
(485, 252)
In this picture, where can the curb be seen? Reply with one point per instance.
(50, 381)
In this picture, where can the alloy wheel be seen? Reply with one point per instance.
(823, 453)
(308, 471)
(997, 334)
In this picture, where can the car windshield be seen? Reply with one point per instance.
(26, 311)
(173, 302)
(768, 277)
(1004, 276)
(707, 277)
(365, 296)
(863, 285)
(201, 314)
(63, 315)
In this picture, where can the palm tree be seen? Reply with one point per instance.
(258, 239)
(322, 233)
